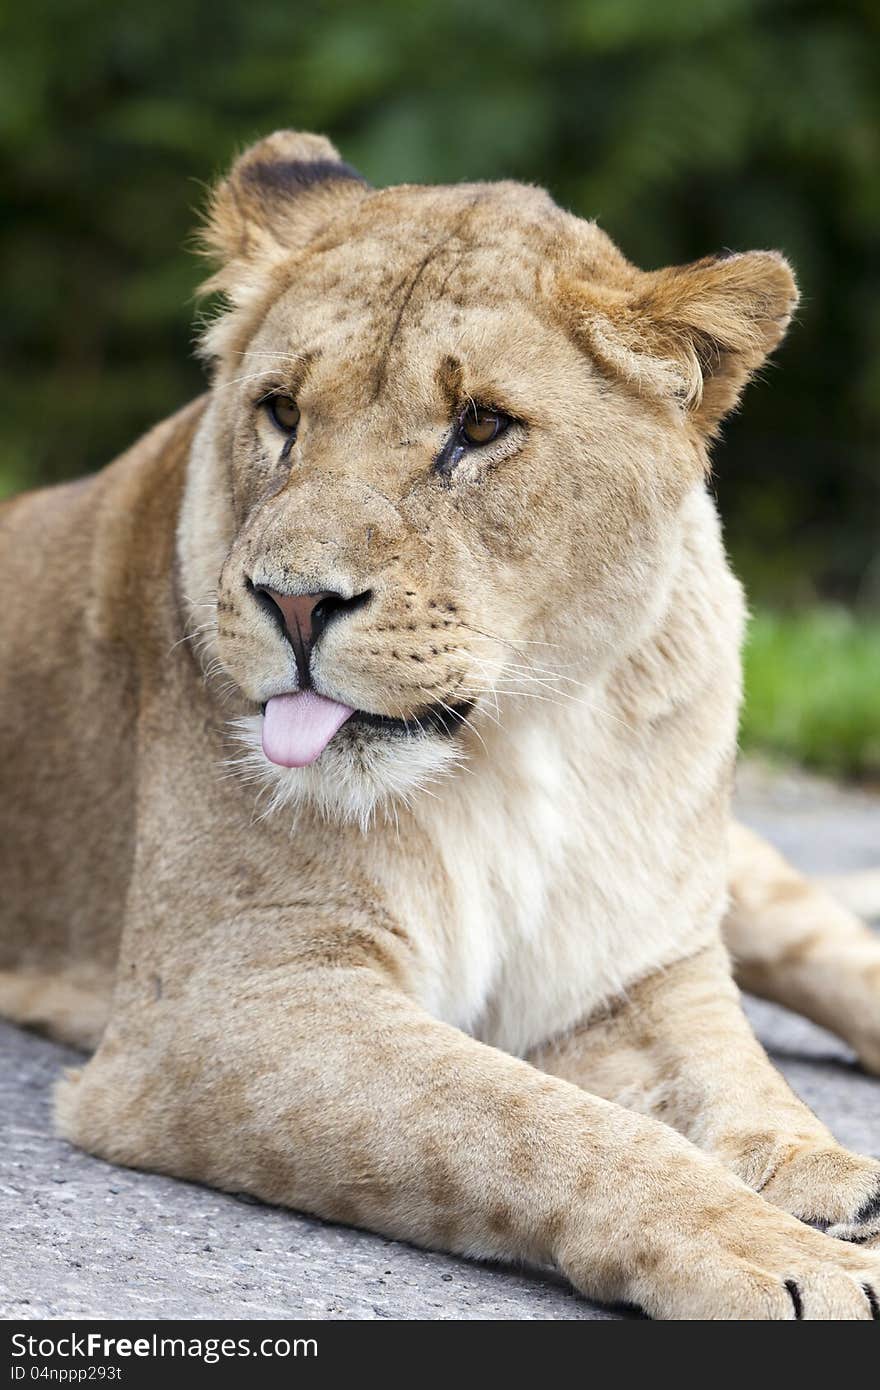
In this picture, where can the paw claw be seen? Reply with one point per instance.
(794, 1294)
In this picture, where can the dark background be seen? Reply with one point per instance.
(683, 126)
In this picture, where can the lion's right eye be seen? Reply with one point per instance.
(480, 426)
(284, 412)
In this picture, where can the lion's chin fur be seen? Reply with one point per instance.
(355, 778)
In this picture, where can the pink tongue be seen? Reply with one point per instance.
(297, 728)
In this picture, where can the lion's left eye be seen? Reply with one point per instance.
(284, 412)
(481, 426)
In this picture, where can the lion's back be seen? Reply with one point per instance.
(78, 563)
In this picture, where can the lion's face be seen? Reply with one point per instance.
(451, 465)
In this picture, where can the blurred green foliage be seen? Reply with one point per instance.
(684, 126)
(812, 682)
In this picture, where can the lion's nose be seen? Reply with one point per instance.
(305, 616)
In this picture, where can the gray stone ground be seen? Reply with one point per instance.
(79, 1238)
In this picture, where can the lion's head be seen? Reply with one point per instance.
(449, 434)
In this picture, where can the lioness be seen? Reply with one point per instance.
(368, 732)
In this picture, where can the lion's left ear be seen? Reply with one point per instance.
(277, 196)
(696, 332)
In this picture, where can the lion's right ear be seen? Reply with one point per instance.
(277, 196)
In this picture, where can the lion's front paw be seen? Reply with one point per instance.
(765, 1274)
(719, 1251)
(831, 1188)
(771, 1271)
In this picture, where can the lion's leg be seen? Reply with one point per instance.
(69, 1005)
(793, 943)
(680, 1048)
(326, 1088)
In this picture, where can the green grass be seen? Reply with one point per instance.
(813, 689)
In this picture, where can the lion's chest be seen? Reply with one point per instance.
(546, 902)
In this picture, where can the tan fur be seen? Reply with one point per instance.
(468, 988)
